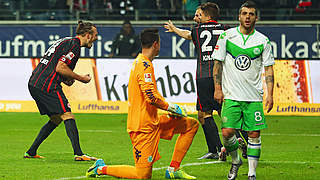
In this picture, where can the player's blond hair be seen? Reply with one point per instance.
(84, 27)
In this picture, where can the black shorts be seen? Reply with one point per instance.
(50, 103)
(205, 93)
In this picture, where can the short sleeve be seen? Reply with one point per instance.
(220, 52)
(267, 56)
(70, 57)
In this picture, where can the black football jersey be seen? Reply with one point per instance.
(205, 37)
(44, 76)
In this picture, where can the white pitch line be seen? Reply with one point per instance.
(209, 162)
(277, 134)
(96, 131)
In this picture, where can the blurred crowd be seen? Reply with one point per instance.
(142, 9)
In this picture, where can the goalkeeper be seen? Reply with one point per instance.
(145, 126)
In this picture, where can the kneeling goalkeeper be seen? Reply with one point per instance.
(145, 126)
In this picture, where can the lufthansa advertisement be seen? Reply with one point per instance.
(296, 86)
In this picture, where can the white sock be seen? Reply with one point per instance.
(254, 150)
(231, 145)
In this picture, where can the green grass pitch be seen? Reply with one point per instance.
(290, 149)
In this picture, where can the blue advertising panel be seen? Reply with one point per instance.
(33, 40)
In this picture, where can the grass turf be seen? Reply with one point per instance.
(290, 149)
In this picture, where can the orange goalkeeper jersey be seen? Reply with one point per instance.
(144, 97)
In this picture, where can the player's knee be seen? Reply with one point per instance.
(254, 134)
(207, 114)
(56, 119)
(227, 132)
(66, 116)
(201, 117)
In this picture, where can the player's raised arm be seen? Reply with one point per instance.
(186, 34)
(270, 83)
(63, 69)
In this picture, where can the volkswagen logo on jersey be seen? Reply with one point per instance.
(242, 62)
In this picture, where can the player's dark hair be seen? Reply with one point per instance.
(148, 36)
(84, 27)
(249, 4)
(210, 9)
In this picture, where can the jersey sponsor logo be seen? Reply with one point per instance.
(242, 62)
(44, 61)
(147, 77)
(70, 55)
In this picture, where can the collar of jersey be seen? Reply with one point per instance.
(245, 39)
(144, 57)
(212, 21)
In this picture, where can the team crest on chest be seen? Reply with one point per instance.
(256, 51)
(242, 62)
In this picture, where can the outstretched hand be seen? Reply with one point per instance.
(169, 26)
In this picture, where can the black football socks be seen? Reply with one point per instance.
(211, 133)
(72, 132)
(45, 131)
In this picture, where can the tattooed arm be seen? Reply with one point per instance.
(270, 82)
(217, 76)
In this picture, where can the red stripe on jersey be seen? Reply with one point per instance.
(51, 81)
(200, 58)
(50, 60)
(200, 106)
(35, 73)
(61, 102)
(56, 82)
(45, 82)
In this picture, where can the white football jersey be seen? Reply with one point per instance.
(243, 58)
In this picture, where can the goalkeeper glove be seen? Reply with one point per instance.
(177, 110)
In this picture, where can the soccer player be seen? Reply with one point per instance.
(145, 126)
(240, 55)
(44, 85)
(204, 36)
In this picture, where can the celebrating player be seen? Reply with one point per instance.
(239, 56)
(145, 126)
(204, 36)
(57, 66)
